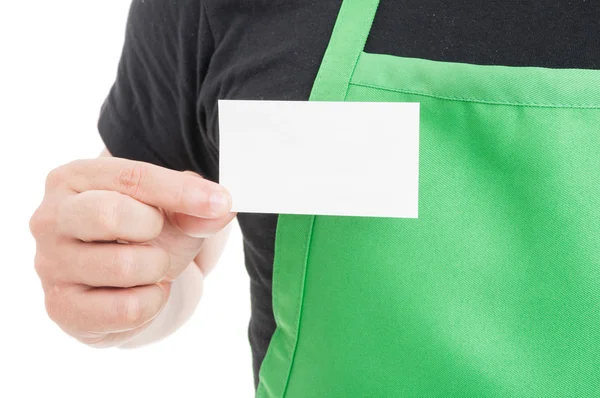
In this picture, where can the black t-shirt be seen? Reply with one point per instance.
(181, 56)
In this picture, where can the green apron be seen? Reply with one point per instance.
(494, 291)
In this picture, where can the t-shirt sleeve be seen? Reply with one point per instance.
(150, 111)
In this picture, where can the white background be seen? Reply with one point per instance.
(58, 60)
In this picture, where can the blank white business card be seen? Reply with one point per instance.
(321, 158)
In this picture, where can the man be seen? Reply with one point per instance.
(155, 183)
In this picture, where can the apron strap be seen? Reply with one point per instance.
(345, 46)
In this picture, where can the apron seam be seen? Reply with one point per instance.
(477, 100)
(347, 89)
(327, 60)
(345, 96)
(301, 306)
(332, 83)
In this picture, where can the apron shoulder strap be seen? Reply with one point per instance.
(345, 46)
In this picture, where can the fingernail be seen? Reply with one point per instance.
(220, 202)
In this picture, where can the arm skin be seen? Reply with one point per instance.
(186, 291)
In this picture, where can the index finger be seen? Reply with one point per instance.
(154, 185)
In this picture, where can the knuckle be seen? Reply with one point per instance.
(41, 221)
(180, 195)
(35, 223)
(42, 265)
(124, 265)
(156, 222)
(128, 310)
(55, 304)
(56, 177)
(131, 177)
(161, 264)
(164, 259)
(108, 215)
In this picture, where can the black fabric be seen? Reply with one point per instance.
(180, 56)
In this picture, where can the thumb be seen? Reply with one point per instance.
(201, 227)
(182, 236)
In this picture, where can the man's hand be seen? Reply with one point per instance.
(112, 234)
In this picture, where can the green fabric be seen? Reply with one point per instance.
(494, 291)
